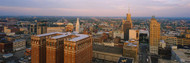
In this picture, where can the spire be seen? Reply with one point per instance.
(78, 26)
(77, 20)
(128, 9)
(153, 18)
(128, 15)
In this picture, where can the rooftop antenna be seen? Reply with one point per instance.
(128, 8)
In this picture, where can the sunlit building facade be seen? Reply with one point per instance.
(57, 47)
(127, 25)
(154, 36)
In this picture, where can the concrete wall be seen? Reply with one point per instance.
(106, 56)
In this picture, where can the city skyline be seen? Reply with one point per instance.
(145, 8)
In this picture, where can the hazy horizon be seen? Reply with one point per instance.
(145, 8)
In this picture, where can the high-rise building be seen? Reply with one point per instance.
(38, 45)
(78, 26)
(54, 49)
(154, 36)
(57, 47)
(32, 29)
(170, 40)
(78, 49)
(41, 27)
(133, 34)
(143, 36)
(127, 25)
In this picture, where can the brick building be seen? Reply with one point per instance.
(6, 46)
(60, 47)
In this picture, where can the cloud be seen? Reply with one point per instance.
(93, 7)
(159, 8)
(172, 2)
(58, 11)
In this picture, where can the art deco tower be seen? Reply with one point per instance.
(127, 25)
(78, 26)
(154, 36)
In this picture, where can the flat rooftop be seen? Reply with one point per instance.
(183, 54)
(46, 34)
(107, 49)
(77, 38)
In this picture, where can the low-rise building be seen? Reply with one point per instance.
(19, 44)
(108, 53)
(162, 44)
(130, 49)
(187, 35)
(55, 29)
(170, 41)
(5, 46)
(125, 60)
(133, 34)
(183, 41)
(181, 55)
(118, 34)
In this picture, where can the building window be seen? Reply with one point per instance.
(73, 48)
(50, 44)
(53, 44)
(65, 45)
(47, 43)
(69, 46)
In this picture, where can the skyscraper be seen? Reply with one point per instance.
(41, 27)
(78, 49)
(154, 36)
(38, 45)
(39, 49)
(78, 26)
(54, 49)
(57, 47)
(127, 25)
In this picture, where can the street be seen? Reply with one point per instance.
(143, 53)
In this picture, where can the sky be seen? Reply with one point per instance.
(138, 8)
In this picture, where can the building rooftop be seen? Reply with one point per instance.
(18, 40)
(162, 41)
(125, 60)
(183, 54)
(69, 24)
(102, 32)
(131, 44)
(46, 34)
(79, 37)
(107, 49)
(59, 36)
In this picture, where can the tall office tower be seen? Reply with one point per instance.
(54, 49)
(57, 47)
(41, 27)
(32, 29)
(154, 36)
(78, 49)
(122, 27)
(38, 45)
(78, 26)
(127, 25)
